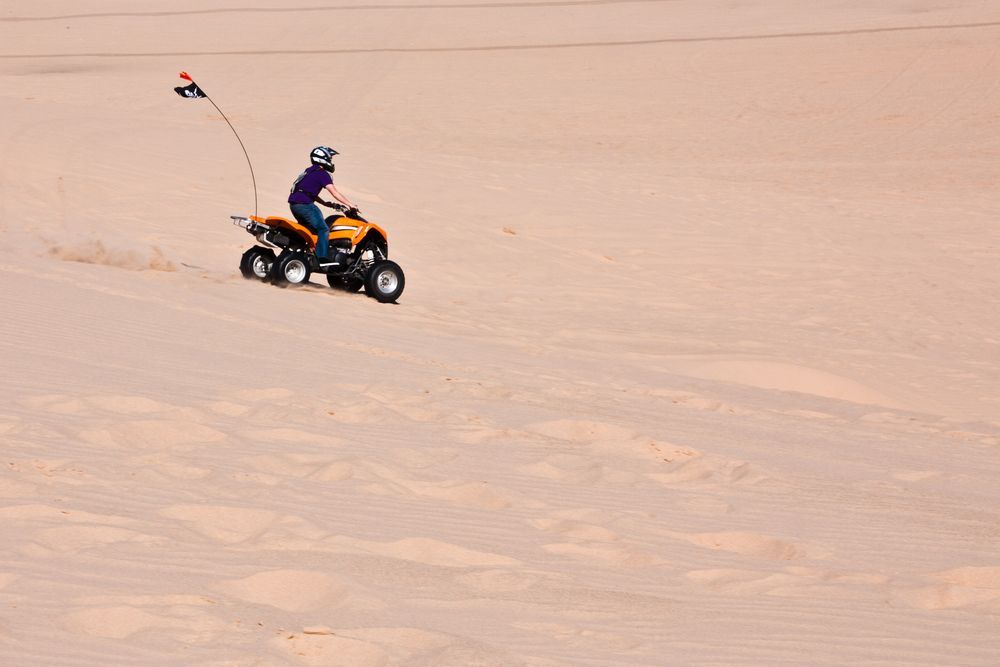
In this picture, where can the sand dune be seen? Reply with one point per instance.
(697, 362)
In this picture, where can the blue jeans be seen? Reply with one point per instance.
(310, 216)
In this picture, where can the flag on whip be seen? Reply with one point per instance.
(193, 92)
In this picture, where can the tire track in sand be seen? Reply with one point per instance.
(326, 8)
(508, 47)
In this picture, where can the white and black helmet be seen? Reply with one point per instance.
(323, 156)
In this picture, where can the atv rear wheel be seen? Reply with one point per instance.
(347, 283)
(291, 268)
(385, 281)
(256, 263)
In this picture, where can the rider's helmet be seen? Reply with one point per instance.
(323, 156)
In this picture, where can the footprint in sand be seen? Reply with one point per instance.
(72, 539)
(303, 466)
(153, 467)
(789, 582)
(11, 487)
(422, 550)
(37, 513)
(502, 580)
(735, 581)
(229, 525)
(79, 405)
(476, 434)
(123, 621)
(590, 541)
(151, 433)
(365, 412)
(235, 525)
(751, 544)
(697, 402)
(950, 589)
(885, 417)
(9, 424)
(580, 637)
(130, 405)
(916, 475)
(620, 555)
(288, 590)
(415, 459)
(413, 646)
(418, 408)
(55, 403)
(468, 493)
(705, 505)
(330, 650)
(583, 431)
(264, 395)
(575, 469)
(479, 494)
(228, 408)
(576, 530)
(809, 414)
(711, 470)
(614, 440)
(335, 471)
(675, 464)
(291, 436)
(410, 645)
(669, 453)
(66, 471)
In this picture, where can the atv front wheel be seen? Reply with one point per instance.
(256, 263)
(346, 283)
(291, 269)
(385, 281)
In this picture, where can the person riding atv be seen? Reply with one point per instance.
(350, 251)
(305, 195)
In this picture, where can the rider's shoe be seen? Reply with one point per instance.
(335, 261)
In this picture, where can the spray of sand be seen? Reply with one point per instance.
(95, 252)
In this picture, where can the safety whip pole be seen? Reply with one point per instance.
(194, 91)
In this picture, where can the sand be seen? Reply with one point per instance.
(698, 360)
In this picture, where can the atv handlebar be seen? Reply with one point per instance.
(350, 212)
(354, 213)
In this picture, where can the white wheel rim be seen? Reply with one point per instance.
(295, 271)
(259, 266)
(387, 281)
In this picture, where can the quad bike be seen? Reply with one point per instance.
(364, 244)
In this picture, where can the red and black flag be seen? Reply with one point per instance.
(192, 90)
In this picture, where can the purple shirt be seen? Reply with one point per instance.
(310, 181)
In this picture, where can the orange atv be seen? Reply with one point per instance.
(365, 246)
